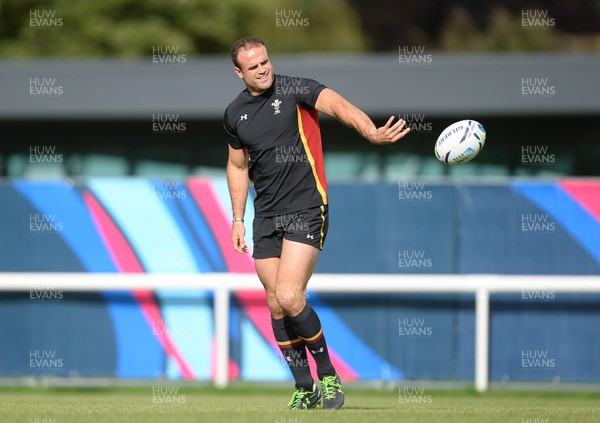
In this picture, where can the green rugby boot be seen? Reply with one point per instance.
(304, 400)
(333, 396)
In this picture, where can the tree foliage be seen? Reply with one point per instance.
(504, 33)
(131, 28)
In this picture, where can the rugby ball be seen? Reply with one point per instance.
(460, 142)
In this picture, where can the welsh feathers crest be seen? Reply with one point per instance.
(276, 105)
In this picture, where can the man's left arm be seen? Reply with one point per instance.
(334, 105)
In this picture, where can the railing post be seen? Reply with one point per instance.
(482, 339)
(221, 318)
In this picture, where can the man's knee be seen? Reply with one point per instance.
(274, 307)
(291, 301)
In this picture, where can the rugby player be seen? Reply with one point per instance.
(275, 142)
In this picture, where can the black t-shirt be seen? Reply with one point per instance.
(280, 130)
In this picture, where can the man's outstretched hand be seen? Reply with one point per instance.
(388, 133)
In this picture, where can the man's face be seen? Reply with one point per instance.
(255, 69)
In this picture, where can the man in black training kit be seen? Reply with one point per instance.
(275, 142)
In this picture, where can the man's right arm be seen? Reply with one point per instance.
(237, 181)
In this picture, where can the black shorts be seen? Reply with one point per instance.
(307, 226)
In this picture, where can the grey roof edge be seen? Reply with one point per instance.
(200, 88)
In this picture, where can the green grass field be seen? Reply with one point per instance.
(248, 404)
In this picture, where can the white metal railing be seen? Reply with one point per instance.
(225, 283)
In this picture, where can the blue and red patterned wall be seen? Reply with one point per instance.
(175, 226)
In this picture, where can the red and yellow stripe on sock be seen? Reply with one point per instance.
(315, 338)
(291, 343)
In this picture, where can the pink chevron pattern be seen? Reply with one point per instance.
(586, 193)
(212, 210)
(126, 261)
(117, 246)
(210, 207)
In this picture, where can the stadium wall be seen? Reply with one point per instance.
(177, 226)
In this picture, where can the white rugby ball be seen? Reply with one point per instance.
(460, 142)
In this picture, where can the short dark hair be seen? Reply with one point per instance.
(245, 44)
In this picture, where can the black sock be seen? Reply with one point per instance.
(308, 327)
(293, 351)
